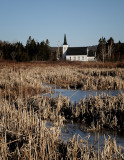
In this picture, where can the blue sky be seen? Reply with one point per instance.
(83, 21)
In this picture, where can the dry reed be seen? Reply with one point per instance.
(23, 133)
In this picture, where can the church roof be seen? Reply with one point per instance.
(76, 51)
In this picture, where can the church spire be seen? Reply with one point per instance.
(65, 41)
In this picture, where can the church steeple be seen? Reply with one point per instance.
(65, 47)
(65, 41)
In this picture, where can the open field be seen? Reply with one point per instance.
(23, 133)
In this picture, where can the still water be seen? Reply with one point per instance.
(76, 95)
(69, 130)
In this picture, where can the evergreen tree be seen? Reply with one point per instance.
(22, 55)
(47, 42)
(117, 51)
(31, 48)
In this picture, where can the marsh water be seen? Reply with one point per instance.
(69, 130)
(76, 95)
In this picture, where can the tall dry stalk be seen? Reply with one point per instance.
(23, 132)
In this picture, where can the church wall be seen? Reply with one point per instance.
(65, 47)
(77, 58)
(91, 59)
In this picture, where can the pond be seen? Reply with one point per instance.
(76, 95)
(69, 130)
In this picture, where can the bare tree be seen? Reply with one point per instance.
(110, 47)
(1, 54)
(13, 55)
(102, 49)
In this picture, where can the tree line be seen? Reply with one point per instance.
(106, 50)
(32, 51)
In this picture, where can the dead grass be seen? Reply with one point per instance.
(23, 133)
(64, 63)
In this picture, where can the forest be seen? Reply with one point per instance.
(109, 50)
(106, 50)
(32, 51)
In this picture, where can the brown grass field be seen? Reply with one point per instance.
(23, 133)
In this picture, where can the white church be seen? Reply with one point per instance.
(77, 53)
